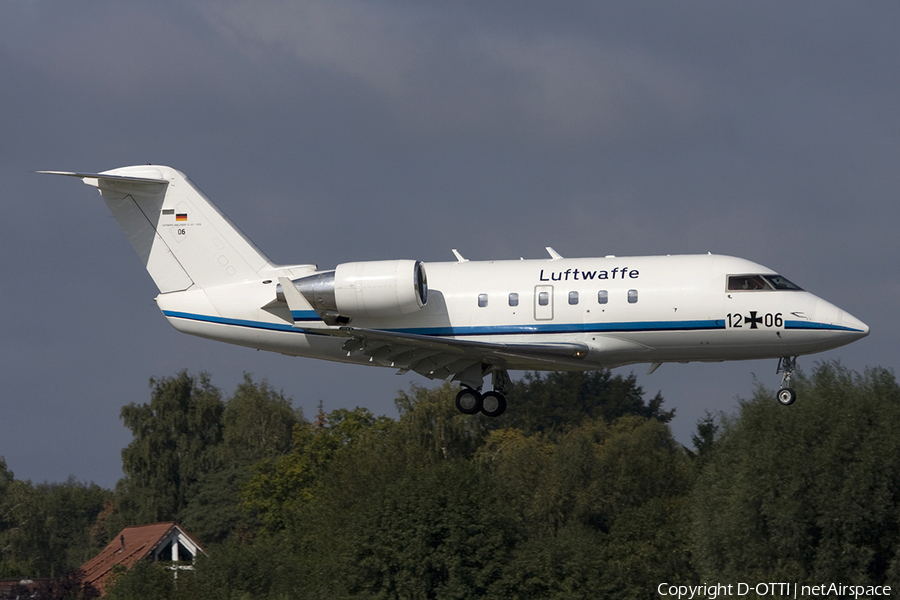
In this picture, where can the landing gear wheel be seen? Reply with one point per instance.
(493, 404)
(786, 396)
(468, 401)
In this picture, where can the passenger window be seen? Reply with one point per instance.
(573, 298)
(513, 299)
(602, 297)
(482, 300)
(543, 298)
(632, 296)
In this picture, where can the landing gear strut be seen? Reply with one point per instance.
(786, 366)
(491, 404)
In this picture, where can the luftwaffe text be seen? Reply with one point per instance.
(585, 275)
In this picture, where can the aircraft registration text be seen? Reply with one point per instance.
(754, 320)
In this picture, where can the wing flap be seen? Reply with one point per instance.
(442, 357)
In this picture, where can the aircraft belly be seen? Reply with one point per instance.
(730, 345)
(262, 336)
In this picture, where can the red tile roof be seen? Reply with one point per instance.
(132, 545)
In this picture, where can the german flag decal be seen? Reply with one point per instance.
(181, 217)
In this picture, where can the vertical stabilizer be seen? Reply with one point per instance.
(179, 235)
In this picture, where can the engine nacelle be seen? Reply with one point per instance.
(381, 288)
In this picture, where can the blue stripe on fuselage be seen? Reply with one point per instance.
(537, 328)
(809, 325)
(541, 328)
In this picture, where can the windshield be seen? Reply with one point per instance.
(746, 283)
(782, 283)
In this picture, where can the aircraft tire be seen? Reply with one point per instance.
(493, 404)
(468, 401)
(786, 396)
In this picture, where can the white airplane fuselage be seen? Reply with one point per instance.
(679, 311)
(462, 320)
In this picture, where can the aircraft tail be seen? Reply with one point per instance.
(178, 233)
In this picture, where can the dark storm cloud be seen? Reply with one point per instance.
(337, 131)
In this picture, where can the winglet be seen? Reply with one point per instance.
(554, 255)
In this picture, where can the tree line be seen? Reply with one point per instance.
(578, 491)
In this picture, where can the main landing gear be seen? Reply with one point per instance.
(490, 404)
(470, 401)
(786, 366)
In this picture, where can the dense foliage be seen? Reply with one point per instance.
(578, 491)
(48, 529)
(808, 493)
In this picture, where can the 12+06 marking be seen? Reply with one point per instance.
(752, 321)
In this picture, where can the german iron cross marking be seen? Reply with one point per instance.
(753, 320)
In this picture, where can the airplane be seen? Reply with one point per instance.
(463, 320)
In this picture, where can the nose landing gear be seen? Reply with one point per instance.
(786, 366)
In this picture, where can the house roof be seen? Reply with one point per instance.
(132, 545)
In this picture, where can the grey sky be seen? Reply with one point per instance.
(334, 131)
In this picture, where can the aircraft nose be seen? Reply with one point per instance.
(853, 325)
(840, 321)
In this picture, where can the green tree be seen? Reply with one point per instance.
(705, 436)
(578, 491)
(144, 581)
(560, 400)
(437, 532)
(45, 530)
(258, 422)
(263, 569)
(600, 508)
(807, 492)
(15, 501)
(280, 485)
(175, 440)
(442, 505)
(430, 420)
(64, 514)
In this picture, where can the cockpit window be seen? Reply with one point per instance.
(760, 283)
(746, 282)
(782, 283)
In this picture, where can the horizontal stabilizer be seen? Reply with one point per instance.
(105, 177)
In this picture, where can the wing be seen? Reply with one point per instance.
(449, 358)
(438, 357)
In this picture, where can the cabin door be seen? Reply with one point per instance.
(543, 302)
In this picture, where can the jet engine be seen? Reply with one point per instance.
(382, 288)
